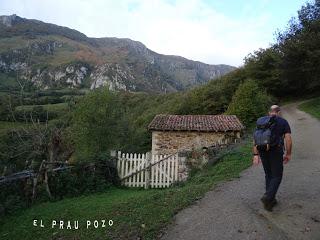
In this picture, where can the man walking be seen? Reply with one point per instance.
(272, 136)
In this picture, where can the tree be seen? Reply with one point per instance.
(96, 124)
(299, 47)
(249, 102)
(263, 65)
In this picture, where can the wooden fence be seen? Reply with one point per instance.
(146, 170)
(158, 171)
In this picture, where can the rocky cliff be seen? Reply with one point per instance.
(50, 56)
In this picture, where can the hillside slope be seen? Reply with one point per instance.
(50, 56)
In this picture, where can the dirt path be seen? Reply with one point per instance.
(233, 209)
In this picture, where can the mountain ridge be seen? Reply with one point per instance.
(51, 56)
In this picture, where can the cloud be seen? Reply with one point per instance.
(189, 28)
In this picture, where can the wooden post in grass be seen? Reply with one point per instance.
(148, 170)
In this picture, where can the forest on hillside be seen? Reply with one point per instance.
(84, 127)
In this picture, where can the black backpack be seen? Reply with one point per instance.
(263, 136)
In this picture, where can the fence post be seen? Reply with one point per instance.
(148, 170)
(113, 153)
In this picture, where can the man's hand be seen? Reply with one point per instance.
(256, 160)
(288, 140)
(286, 158)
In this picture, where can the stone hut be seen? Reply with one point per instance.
(173, 133)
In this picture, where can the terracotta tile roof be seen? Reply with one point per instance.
(206, 123)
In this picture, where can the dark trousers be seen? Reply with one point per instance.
(272, 162)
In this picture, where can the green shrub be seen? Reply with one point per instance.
(79, 180)
(83, 179)
(97, 124)
(249, 102)
(13, 196)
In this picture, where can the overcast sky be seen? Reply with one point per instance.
(211, 31)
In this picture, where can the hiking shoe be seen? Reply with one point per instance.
(274, 202)
(267, 204)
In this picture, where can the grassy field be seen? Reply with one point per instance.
(5, 126)
(312, 107)
(48, 107)
(136, 213)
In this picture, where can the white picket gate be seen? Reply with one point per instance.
(146, 170)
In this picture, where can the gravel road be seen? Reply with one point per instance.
(233, 209)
